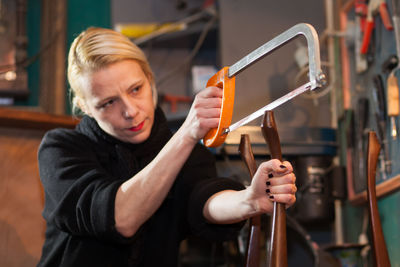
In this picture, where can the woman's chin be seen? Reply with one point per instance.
(137, 138)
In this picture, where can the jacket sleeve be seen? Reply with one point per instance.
(79, 193)
(201, 191)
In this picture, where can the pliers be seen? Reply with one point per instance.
(374, 6)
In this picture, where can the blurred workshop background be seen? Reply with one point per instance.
(323, 132)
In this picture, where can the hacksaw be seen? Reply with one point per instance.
(225, 79)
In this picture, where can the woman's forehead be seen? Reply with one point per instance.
(118, 76)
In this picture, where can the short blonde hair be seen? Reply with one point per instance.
(96, 48)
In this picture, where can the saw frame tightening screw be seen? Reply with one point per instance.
(321, 79)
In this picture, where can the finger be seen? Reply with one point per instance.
(211, 91)
(282, 189)
(208, 103)
(276, 166)
(209, 123)
(208, 113)
(271, 166)
(287, 199)
(284, 167)
(281, 180)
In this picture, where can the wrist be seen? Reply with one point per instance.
(251, 206)
(184, 138)
(187, 134)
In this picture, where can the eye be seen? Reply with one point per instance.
(107, 104)
(135, 89)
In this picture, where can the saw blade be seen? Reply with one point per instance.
(270, 106)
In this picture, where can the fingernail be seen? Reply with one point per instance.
(282, 166)
(268, 183)
(271, 197)
(268, 191)
(270, 175)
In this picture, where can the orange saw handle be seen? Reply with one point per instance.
(216, 136)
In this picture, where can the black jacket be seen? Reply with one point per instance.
(81, 171)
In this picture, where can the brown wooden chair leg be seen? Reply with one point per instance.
(278, 249)
(253, 241)
(381, 256)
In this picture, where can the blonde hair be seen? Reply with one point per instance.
(96, 48)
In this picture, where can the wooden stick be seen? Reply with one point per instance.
(253, 241)
(278, 249)
(378, 241)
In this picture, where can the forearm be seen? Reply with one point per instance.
(273, 181)
(139, 197)
(230, 206)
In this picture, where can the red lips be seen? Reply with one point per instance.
(137, 128)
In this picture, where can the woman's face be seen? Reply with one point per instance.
(119, 98)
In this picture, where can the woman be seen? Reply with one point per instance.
(120, 189)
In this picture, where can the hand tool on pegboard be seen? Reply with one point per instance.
(393, 102)
(382, 122)
(361, 10)
(374, 7)
(362, 116)
(390, 66)
(392, 81)
(225, 79)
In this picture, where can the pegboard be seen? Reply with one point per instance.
(364, 104)
(363, 86)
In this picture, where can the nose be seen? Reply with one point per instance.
(129, 109)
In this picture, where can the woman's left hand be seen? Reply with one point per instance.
(273, 181)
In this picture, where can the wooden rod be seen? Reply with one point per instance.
(253, 241)
(381, 255)
(278, 248)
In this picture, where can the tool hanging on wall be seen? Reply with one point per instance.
(392, 82)
(393, 102)
(382, 122)
(389, 64)
(225, 79)
(362, 119)
(361, 10)
(374, 6)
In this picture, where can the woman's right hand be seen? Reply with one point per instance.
(204, 113)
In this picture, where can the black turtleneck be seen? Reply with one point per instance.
(81, 171)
